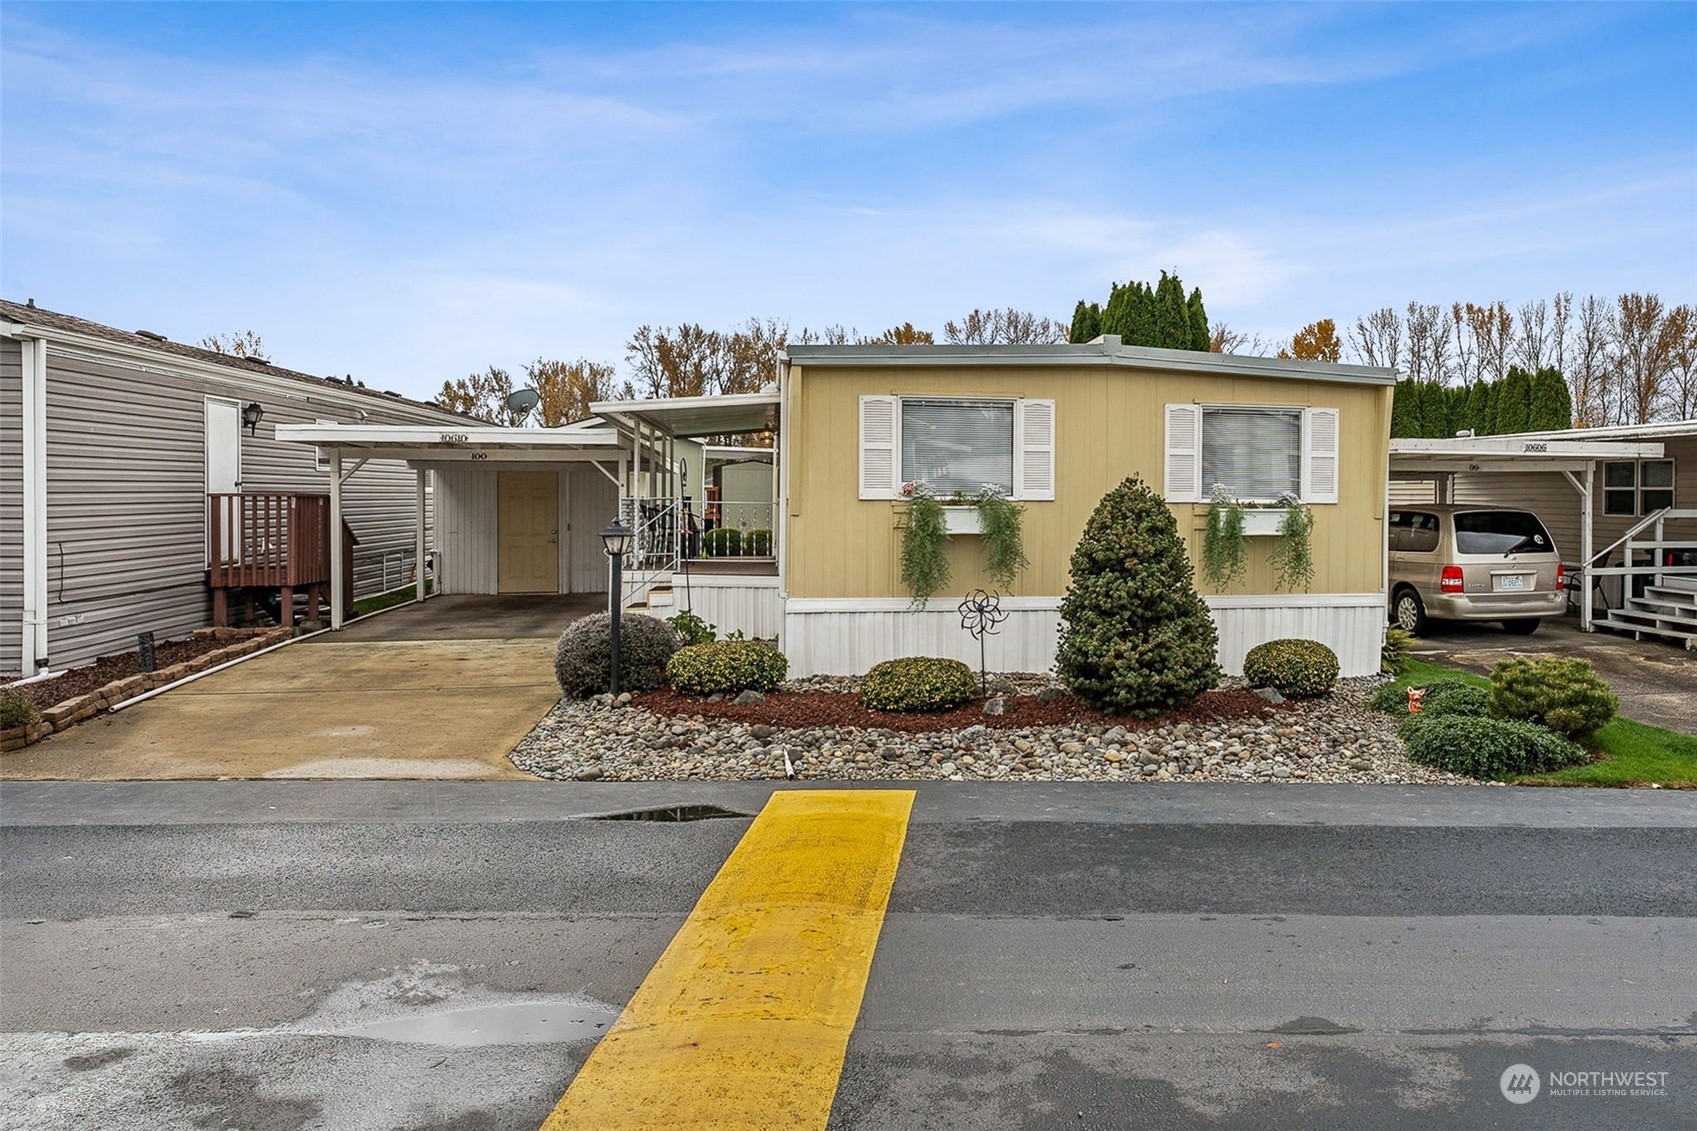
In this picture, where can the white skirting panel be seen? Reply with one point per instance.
(1350, 624)
(751, 605)
(831, 636)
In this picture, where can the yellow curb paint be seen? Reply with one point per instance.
(745, 1019)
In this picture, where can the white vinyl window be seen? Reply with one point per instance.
(1254, 453)
(957, 445)
(1637, 487)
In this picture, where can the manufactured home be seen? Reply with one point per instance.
(136, 472)
(817, 564)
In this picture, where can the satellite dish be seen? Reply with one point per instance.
(520, 402)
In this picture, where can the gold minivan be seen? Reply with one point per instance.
(1473, 563)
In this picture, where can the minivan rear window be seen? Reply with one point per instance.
(1501, 532)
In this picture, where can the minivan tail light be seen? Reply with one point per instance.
(1450, 582)
(1561, 575)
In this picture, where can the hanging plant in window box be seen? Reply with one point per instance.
(1002, 524)
(1223, 544)
(925, 542)
(1293, 554)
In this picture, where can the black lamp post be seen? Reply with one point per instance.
(615, 540)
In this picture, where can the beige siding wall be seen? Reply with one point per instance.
(1109, 424)
(126, 493)
(11, 506)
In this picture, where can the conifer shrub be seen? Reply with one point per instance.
(1486, 748)
(583, 658)
(724, 542)
(918, 683)
(1135, 637)
(1299, 668)
(728, 665)
(1563, 694)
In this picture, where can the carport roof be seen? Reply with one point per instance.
(728, 413)
(1511, 453)
(410, 442)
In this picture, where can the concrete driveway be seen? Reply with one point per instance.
(442, 690)
(1656, 680)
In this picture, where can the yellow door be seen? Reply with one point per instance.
(529, 531)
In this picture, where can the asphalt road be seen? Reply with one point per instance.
(281, 956)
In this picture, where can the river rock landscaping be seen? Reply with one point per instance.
(1029, 729)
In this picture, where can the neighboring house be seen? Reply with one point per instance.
(1056, 425)
(111, 443)
(1591, 487)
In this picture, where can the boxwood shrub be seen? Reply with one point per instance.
(1563, 694)
(583, 657)
(15, 709)
(1485, 747)
(1292, 667)
(1453, 697)
(918, 683)
(728, 665)
(757, 543)
(725, 542)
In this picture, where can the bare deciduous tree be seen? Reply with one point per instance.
(1532, 342)
(1682, 357)
(243, 343)
(1428, 342)
(482, 396)
(568, 388)
(1004, 327)
(1377, 338)
(1643, 350)
(1589, 379)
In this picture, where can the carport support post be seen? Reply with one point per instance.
(418, 550)
(337, 596)
(1585, 546)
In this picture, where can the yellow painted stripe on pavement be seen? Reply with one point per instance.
(745, 1019)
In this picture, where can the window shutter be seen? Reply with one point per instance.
(1034, 463)
(878, 448)
(1184, 442)
(1320, 478)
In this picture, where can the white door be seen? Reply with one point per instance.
(224, 468)
(223, 447)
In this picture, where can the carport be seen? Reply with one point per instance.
(1438, 462)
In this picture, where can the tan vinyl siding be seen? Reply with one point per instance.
(11, 506)
(126, 492)
(1110, 423)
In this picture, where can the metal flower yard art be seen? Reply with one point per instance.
(980, 613)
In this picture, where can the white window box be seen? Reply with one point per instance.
(961, 520)
(1262, 521)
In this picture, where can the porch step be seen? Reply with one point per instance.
(742, 567)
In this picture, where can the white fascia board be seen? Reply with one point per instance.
(1618, 431)
(154, 361)
(378, 437)
(1524, 448)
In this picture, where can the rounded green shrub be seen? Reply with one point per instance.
(725, 542)
(1391, 698)
(1485, 747)
(583, 657)
(1135, 637)
(1563, 694)
(1453, 697)
(757, 543)
(1297, 668)
(728, 665)
(918, 683)
(15, 709)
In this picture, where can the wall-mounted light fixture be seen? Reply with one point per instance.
(251, 416)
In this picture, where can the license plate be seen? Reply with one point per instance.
(1513, 581)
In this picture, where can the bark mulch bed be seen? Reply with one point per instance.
(843, 709)
(119, 665)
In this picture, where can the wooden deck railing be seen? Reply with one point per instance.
(272, 540)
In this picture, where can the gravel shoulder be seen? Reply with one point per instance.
(1336, 738)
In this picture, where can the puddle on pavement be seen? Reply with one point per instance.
(519, 1023)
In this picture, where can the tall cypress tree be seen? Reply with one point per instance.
(1488, 419)
(1200, 338)
(1514, 403)
(1086, 322)
(1552, 404)
(1405, 409)
(1477, 416)
(1142, 315)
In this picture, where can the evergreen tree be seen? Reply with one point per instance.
(1514, 402)
(1142, 315)
(1200, 337)
(1477, 416)
(1428, 418)
(1405, 411)
(1086, 322)
(1552, 404)
(1455, 410)
(1488, 421)
(1136, 639)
